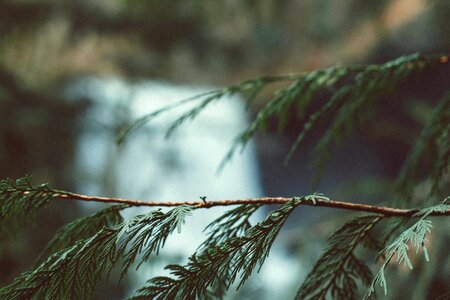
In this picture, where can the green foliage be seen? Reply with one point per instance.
(143, 120)
(148, 233)
(313, 198)
(19, 201)
(72, 272)
(356, 91)
(300, 93)
(433, 146)
(355, 101)
(82, 228)
(231, 224)
(336, 271)
(250, 87)
(222, 263)
(234, 249)
(414, 236)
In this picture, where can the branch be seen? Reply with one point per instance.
(317, 201)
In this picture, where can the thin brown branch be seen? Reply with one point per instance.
(319, 201)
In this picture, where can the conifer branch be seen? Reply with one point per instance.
(224, 262)
(354, 91)
(73, 272)
(319, 201)
(22, 190)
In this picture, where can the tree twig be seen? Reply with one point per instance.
(319, 201)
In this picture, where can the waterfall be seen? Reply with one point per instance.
(149, 167)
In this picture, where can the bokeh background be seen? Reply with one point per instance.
(64, 63)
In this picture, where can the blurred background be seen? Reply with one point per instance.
(72, 73)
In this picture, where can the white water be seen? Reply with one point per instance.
(181, 168)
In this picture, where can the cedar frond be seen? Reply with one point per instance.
(355, 101)
(83, 228)
(221, 263)
(433, 145)
(231, 224)
(414, 236)
(148, 233)
(19, 202)
(70, 273)
(250, 87)
(331, 273)
(73, 272)
(355, 92)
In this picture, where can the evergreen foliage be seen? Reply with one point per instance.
(413, 236)
(355, 92)
(72, 272)
(231, 224)
(336, 270)
(82, 228)
(147, 233)
(222, 263)
(87, 249)
(433, 146)
(19, 202)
